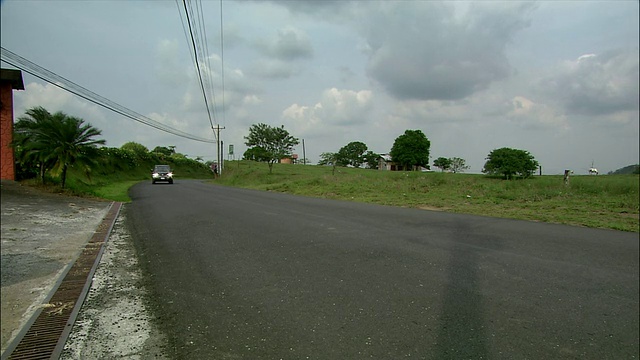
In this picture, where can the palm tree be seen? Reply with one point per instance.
(58, 141)
(27, 142)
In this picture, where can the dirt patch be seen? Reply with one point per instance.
(432, 208)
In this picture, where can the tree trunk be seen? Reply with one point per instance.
(64, 175)
(42, 172)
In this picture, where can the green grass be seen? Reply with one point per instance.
(609, 201)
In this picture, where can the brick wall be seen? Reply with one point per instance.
(7, 163)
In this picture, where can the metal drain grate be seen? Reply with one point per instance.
(46, 336)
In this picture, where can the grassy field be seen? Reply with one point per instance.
(607, 201)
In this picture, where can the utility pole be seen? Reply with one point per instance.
(218, 152)
(304, 154)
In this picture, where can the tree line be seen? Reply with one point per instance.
(410, 151)
(48, 144)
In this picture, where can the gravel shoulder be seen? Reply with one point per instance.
(113, 322)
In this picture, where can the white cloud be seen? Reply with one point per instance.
(55, 99)
(336, 108)
(535, 115)
(596, 84)
(168, 68)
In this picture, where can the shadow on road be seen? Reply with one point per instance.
(462, 332)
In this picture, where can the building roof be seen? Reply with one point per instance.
(14, 77)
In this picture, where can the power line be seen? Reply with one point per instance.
(193, 43)
(222, 62)
(207, 59)
(68, 85)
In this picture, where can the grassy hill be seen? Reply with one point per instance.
(595, 201)
(631, 169)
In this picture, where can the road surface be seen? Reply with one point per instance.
(241, 274)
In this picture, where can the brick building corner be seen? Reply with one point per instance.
(9, 80)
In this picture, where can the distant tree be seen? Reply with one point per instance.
(442, 163)
(139, 150)
(352, 154)
(303, 161)
(163, 150)
(276, 141)
(59, 141)
(327, 158)
(510, 162)
(256, 153)
(458, 165)
(372, 159)
(411, 149)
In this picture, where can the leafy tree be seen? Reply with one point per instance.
(276, 141)
(443, 163)
(303, 161)
(59, 141)
(139, 150)
(510, 162)
(256, 153)
(352, 154)
(329, 158)
(372, 159)
(166, 151)
(458, 165)
(411, 149)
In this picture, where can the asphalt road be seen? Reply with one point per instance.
(240, 274)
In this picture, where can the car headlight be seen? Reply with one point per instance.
(170, 174)
(155, 175)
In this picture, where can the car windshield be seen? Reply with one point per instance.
(162, 168)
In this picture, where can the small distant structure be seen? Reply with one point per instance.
(293, 159)
(385, 163)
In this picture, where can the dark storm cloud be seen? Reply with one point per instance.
(424, 51)
(430, 50)
(289, 44)
(596, 84)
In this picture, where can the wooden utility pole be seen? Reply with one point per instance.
(218, 151)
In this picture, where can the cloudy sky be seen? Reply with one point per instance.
(558, 79)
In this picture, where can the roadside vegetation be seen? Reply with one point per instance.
(609, 202)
